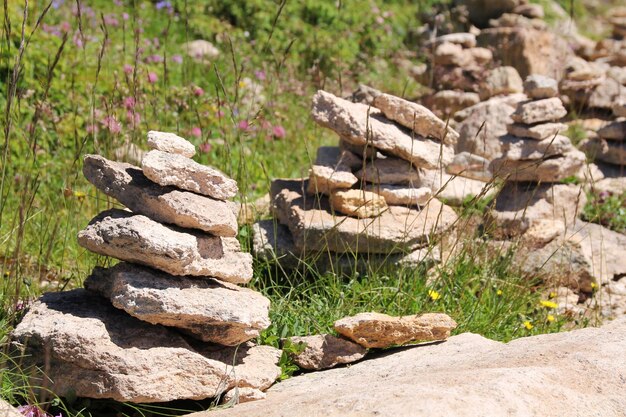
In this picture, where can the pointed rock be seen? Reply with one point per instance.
(171, 143)
(135, 238)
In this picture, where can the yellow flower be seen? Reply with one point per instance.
(434, 295)
(550, 318)
(552, 294)
(242, 84)
(594, 286)
(528, 325)
(499, 292)
(548, 304)
(80, 196)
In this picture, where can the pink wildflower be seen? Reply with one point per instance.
(205, 147)
(196, 132)
(260, 75)
(177, 59)
(279, 132)
(128, 69)
(129, 102)
(243, 125)
(152, 78)
(198, 91)
(111, 123)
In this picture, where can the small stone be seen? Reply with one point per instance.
(184, 173)
(360, 125)
(208, 309)
(240, 395)
(544, 110)
(324, 351)
(416, 117)
(333, 170)
(447, 102)
(127, 184)
(455, 190)
(135, 238)
(399, 195)
(466, 40)
(358, 203)
(388, 171)
(469, 165)
(516, 149)
(612, 152)
(614, 131)
(376, 330)
(538, 132)
(544, 170)
(540, 86)
(363, 151)
(615, 186)
(451, 54)
(171, 143)
(502, 80)
(481, 56)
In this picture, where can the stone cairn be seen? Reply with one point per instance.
(374, 195)
(609, 146)
(169, 322)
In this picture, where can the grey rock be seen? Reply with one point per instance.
(545, 170)
(171, 143)
(210, 310)
(324, 351)
(388, 171)
(501, 80)
(136, 238)
(540, 86)
(455, 189)
(399, 195)
(127, 184)
(446, 103)
(516, 148)
(614, 131)
(609, 151)
(88, 348)
(184, 173)
(471, 166)
(242, 395)
(333, 170)
(357, 203)
(538, 132)
(465, 39)
(360, 125)
(538, 111)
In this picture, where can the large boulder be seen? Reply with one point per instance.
(578, 373)
(88, 348)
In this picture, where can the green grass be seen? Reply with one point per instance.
(606, 209)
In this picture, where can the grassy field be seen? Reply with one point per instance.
(83, 77)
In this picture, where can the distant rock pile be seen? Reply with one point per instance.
(168, 323)
(376, 193)
(609, 145)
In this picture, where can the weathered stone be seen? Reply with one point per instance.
(501, 80)
(615, 186)
(88, 348)
(357, 203)
(136, 238)
(184, 173)
(365, 94)
(518, 21)
(453, 189)
(399, 195)
(481, 56)
(466, 376)
(520, 206)
(416, 117)
(471, 166)
(482, 126)
(7, 410)
(613, 131)
(127, 184)
(540, 86)
(333, 170)
(208, 309)
(545, 170)
(516, 148)
(364, 151)
(376, 330)
(537, 132)
(171, 143)
(612, 152)
(325, 351)
(619, 109)
(242, 395)
(606, 95)
(449, 77)
(480, 11)
(538, 111)
(360, 125)
(447, 102)
(465, 39)
(453, 55)
(532, 11)
(529, 50)
(398, 229)
(388, 171)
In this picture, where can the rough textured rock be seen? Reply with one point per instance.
(529, 50)
(516, 148)
(376, 330)
(465, 39)
(208, 309)
(445, 103)
(613, 131)
(358, 203)
(612, 152)
(502, 80)
(538, 132)
(611, 185)
(242, 395)
(171, 143)
(415, 117)
(184, 173)
(388, 171)
(545, 170)
(127, 184)
(481, 11)
(574, 372)
(539, 86)
(453, 189)
(364, 94)
(94, 350)
(471, 166)
(333, 170)
(313, 227)
(402, 195)
(538, 111)
(325, 351)
(7, 410)
(451, 54)
(619, 109)
(360, 125)
(136, 238)
(520, 206)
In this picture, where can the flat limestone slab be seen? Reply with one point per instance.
(136, 238)
(578, 373)
(539, 132)
(127, 184)
(360, 124)
(314, 227)
(545, 170)
(333, 170)
(388, 171)
(90, 349)
(171, 143)
(209, 309)
(516, 149)
(539, 111)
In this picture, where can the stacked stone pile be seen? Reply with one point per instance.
(609, 146)
(375, 194)
(170, 319)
